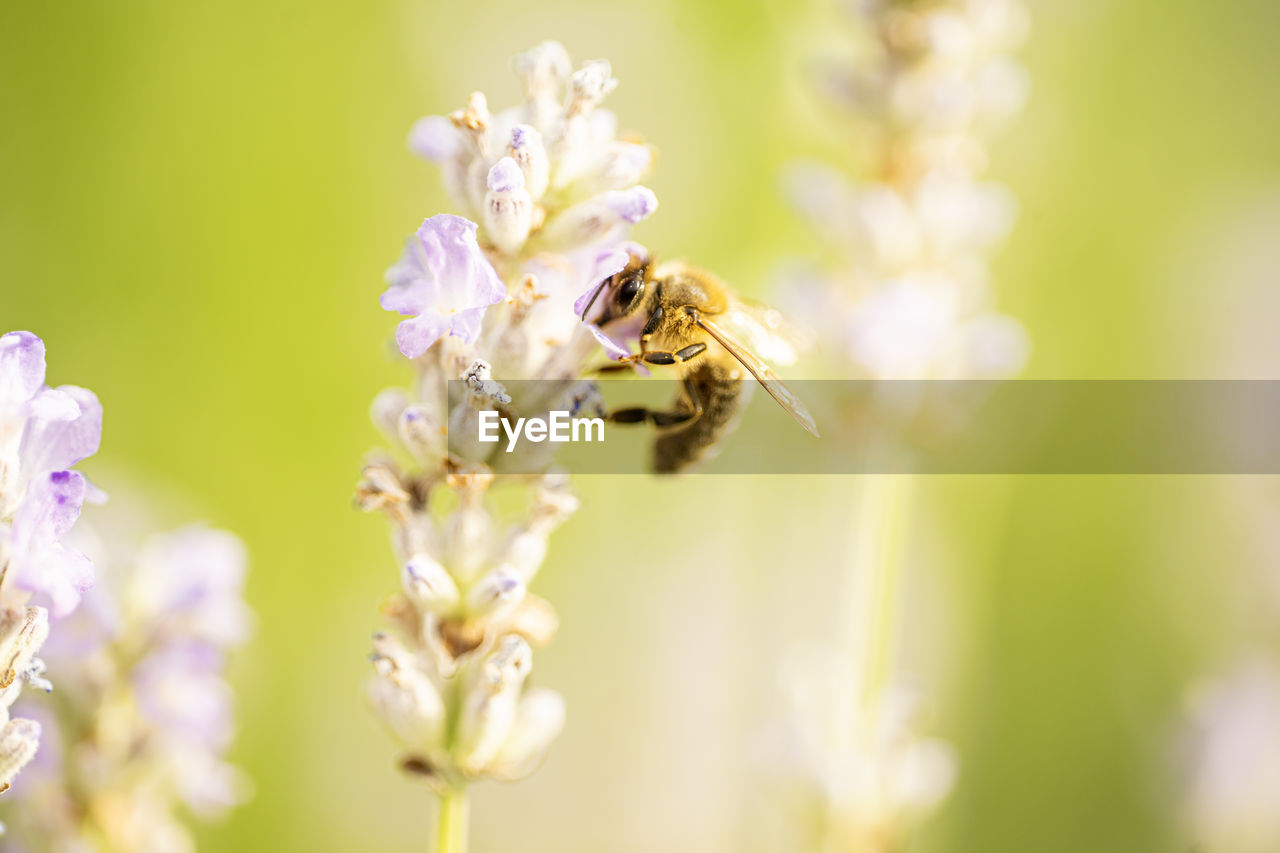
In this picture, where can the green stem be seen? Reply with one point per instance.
(451, 829)
(879, 527)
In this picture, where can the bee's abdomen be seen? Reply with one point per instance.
(722, 393)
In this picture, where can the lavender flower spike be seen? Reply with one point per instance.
(553, 194)
(43, 432)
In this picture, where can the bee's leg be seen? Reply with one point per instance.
(639, 414)
(660, 357)
(652, 324)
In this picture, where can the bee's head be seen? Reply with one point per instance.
(622, 293)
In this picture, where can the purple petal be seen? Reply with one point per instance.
(608, 263)
(44, 567)
(415, 336)
(49, 508)
(21, 368)
(633, 205)
(434, 138)
(466, 324)
(505, 176)
(445, 279)
(402, 300)
(65, 426)
(615, 349)
(179, 690)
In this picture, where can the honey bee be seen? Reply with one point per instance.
(694, 321)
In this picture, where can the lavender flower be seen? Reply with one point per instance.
(445, 281)
(43, 432)
(145, 714)
(1235, 778)
(902, 292)
(905, 290)
(549, 194)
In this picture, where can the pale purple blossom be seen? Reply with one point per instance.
(43, 432)
(443, 282)
(189, 581)
(39, 563)
(150, 643)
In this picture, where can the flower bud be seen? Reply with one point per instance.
(386, 410)
(404, 697)
(428, 584)
(421, 433)
(19, 740)
(622, 165)
(543, 71)
(529, 153)
(491, 704)
(589, 85)
(497, 594)
(599, 218)
(508, 209)
(22, 633)
(539, 721)
(381, 488)
(435, 138)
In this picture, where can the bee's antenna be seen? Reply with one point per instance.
(593, 299)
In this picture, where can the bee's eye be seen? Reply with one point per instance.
(629, 290)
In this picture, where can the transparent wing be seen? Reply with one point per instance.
(761, 372)
(763, 331)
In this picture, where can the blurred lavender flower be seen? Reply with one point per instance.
(146, 713)
(545, 194)
(902, 292)
(43, 432)
(852, 776)
(1234, 784)
(905, 292)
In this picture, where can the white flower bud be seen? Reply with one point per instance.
(381, 488)
(535, 620)
(386, 410)
(508, 209)
(524, 554)
(22, 633)
(527, 150)
(539, 721)
(621, 165)
(599, 218)
(428, 584)
(19, 740)
(589, 85)
(497, 594)
(404, 697)
(421, 433)
(543, 70)
(491, 704)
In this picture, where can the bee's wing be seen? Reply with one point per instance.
(764, 331)
(761, 372)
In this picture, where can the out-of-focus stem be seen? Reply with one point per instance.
(881, 513)
(451, 830)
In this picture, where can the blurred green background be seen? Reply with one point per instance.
(197, 201)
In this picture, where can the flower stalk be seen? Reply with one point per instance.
(451, 834)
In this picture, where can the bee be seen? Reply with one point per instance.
(693, 320)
